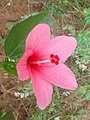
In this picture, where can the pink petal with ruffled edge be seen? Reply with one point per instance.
(63, 46)
(43, 90)
(22, 67)
(59, 75)
(38, 40)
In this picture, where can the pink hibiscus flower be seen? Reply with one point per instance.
(43, 63)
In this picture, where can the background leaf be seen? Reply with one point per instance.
(86, 14)
(10, 67)
(15, 42)
(2, 42)
(9, 25)
(8, 116)
(87, 95)
(81, 112)
(1, 113)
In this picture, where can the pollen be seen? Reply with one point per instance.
(52, 56)
(57, 58)
(56, 62)
(54, 59)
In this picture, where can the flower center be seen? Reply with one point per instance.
(53, 59)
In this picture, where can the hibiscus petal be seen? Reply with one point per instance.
(59, 75)
(22, 67)
(38, 39)
(43, 90)
(63, 46)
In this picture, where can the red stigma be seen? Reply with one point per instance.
(57, 58)
(56, 62)
(54, 59)
(52, 56)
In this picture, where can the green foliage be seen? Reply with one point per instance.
(83, 47)
(1, 113)
(10, 67)
(27, 88)
(76, 71)
(64, 2)
(9, 25)
(70, 28)
(84, 91)
(81, 112)
(87, 95)
(57, 11)
(1, 65)
(39, 115)
(76, 3)
(71, 112)
(15, 42)
(8, 116)
(86, 13)
(2, 42)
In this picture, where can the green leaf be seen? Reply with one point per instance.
(15, 42)
(83, 46)
(71, 112)
(10, 67)
(81, 112)
(86, 13)
(8, 116)
(64, 2)
(84, 89)
(2, 42)
(87, 95)
(57, 92)
(9, 25)
(1, 113)
(76, 118)
(1, 65)
(87, 19)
